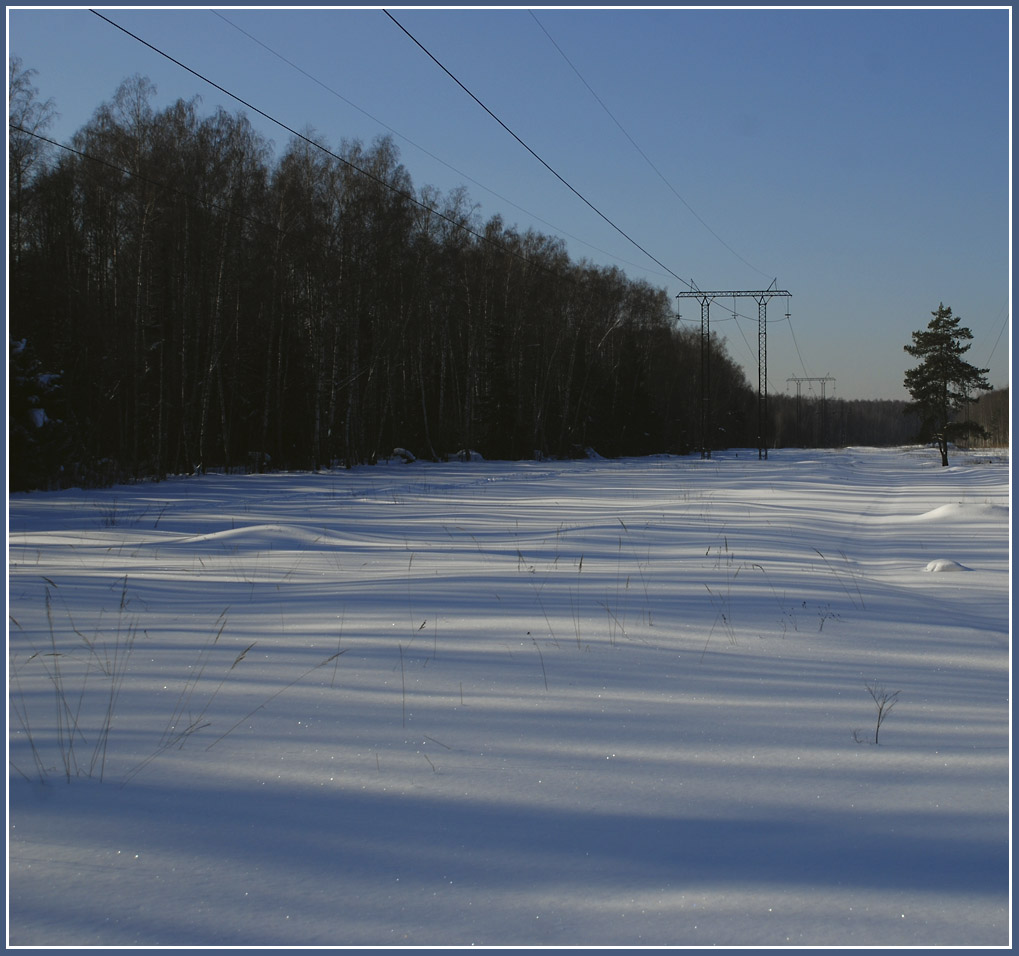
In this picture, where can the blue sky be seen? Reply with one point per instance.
(860, 158)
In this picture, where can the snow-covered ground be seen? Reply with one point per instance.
(572, 703)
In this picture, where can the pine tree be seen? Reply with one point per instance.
(941, 384)
(36, 435)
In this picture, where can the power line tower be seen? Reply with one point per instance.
(799, 381)
(762, 297)
(704, 382)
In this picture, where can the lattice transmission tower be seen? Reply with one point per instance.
(823, 380)
(762, 297)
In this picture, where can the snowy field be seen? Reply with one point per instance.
(594, 703)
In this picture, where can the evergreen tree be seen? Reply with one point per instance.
(36, 436)
(941, 384)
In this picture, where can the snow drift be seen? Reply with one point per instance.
(537, 703)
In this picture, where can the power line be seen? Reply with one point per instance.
(311, 142)
(1004, 325)
(647, 159)
(575, 192)
(806, 374)
(418, 146)
(160, 184)
(432, 211)
(742, 335)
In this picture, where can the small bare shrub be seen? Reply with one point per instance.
(884, 701)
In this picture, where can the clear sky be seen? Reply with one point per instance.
(859, 158)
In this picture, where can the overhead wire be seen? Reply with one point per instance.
(786, 318)
(159, 183)
(735, 313)
(418, 146)
(645, 156)
(796, 345)
(391, 187)
(561, 179)
(319, 146)
(739, 328)
(1001, 332)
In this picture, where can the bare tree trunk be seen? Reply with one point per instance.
(215, 348)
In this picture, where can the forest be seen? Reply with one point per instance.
(181, 300)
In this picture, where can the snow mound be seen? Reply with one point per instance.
(278, 537)
(960, 509)
(945, 564)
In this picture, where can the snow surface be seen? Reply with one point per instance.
(593, 703)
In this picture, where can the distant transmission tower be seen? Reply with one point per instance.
(799, 381)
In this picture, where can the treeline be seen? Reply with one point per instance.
(992, 412)
(815, 422)
(181, 300)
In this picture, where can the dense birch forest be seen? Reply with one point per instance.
(182, 299)
(193, 302)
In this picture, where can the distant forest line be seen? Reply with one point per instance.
(181, 301)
